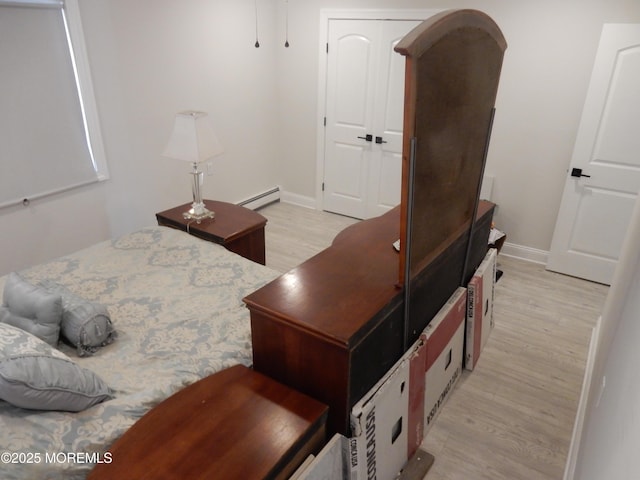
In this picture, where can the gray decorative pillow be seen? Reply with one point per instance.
(33, 309)
(85, 324)
(35, 376)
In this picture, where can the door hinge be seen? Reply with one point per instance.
(325, 121)
(323, 186)
(327, 47)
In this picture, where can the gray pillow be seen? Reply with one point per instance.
(85, 324)
(32, 309)
(35, 376)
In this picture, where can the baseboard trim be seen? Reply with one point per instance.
(300, 200)
(261, 199)
(576, 437)
(521, 252)
(525, 253)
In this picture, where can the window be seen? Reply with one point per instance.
(49, 133)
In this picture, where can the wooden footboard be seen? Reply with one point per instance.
(236, 423)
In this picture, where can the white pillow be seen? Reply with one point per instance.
(35, 376)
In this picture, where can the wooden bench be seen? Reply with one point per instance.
(235, 424)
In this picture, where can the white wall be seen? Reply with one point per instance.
(152, 58)
(545, 75)
(607, 447)
(149, 60)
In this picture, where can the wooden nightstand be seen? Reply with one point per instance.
(238, 229)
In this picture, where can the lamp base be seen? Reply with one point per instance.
(198, 212)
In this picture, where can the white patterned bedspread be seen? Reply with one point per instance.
(176, 303)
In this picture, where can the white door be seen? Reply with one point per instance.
(364, 113)
(604, 176)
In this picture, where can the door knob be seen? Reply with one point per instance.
(368, 137)
(577, 172)
(379, 140)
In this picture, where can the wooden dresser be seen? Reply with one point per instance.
(333, 326)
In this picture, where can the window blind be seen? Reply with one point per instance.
(45, 146)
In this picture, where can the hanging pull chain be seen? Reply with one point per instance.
(286, 37)
(257, 44)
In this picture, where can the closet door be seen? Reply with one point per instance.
(364, 114)
(385, 172)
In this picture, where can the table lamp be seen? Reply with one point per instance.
(193, 140)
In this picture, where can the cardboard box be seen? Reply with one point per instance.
(331, 463)
(445, 342)
(387, 424)
(480, 309)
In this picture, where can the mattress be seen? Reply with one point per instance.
(176, 304)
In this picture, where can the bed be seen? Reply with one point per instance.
(175, 302)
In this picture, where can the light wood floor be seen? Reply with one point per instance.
(512, 417)
(293, 234)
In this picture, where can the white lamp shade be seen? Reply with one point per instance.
(193, 139)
